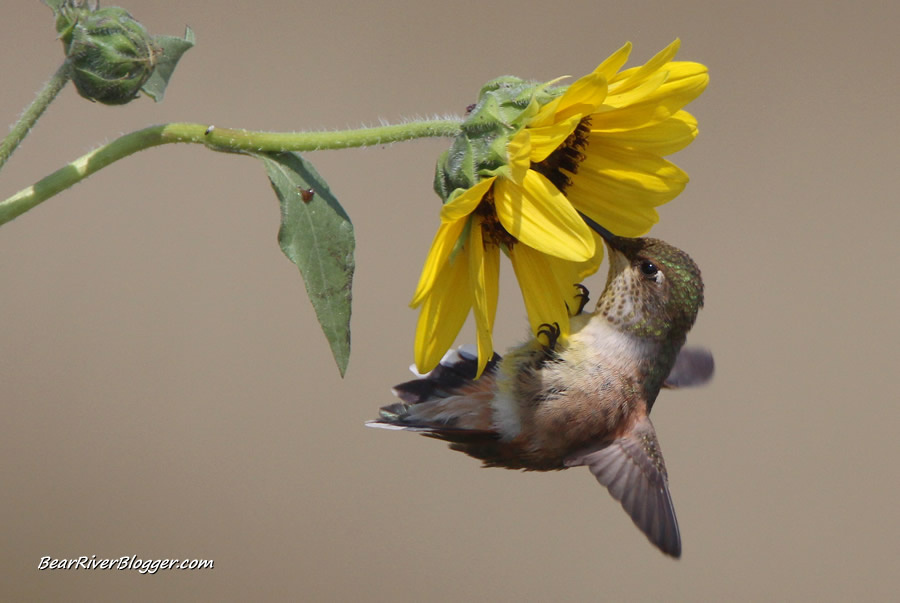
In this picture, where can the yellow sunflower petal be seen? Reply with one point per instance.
(637, 93)
(607, 209)
(635, 76)
(686, 80)
(484, 277)
(663, 138)
(628, 176)
(568, 274)
(546, 139)
(544, 302)
(518, 160)
(540, 216)
(441, 247)
(681, 73)
(684, 83)
(638, 169)
(443, 313)
(608, 68)
(492, 280)
(465, 203)
(584, 96)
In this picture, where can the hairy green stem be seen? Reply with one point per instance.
(217, 139)
(263, 142)
(34, 111)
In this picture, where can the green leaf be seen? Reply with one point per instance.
(172, 49)
(317, 236)
(54, 5)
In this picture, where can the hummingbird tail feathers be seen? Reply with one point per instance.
(448, 402)
(454, 374)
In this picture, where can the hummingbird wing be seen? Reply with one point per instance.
(693, 366)
(632, 469)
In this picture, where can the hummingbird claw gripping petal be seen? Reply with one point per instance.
(583, 297)
(552, 332)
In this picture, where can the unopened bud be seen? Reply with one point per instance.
(112, 55)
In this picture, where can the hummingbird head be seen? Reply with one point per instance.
(653, 290)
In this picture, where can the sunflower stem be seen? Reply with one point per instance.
(266, 142)
(217, 139)
(34, 111)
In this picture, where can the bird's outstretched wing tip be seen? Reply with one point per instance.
(632, 469)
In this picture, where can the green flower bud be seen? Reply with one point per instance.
(112, 55)
(504, 107)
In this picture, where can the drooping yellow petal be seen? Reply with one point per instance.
(518, 151)
(483, 276)
(544, 302)
(464, 204)
(546, 139)
(540, 216)
(568, 274)
(491, 281)
(441, 247)
(443, 313)
(663, 138)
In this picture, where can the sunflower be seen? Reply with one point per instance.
(531, 161)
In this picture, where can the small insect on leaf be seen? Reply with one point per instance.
(307, 194)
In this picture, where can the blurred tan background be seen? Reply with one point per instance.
(167, 393)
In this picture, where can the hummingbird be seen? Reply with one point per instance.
(584, 400)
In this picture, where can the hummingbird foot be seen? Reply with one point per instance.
(552, 332)
(583, 298)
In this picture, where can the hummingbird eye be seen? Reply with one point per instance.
(648, 268)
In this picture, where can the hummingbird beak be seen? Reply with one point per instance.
(609, 237)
